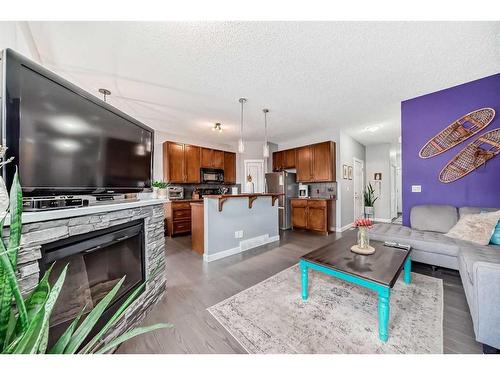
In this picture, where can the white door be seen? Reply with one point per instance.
(358, 184)
(254, 168)
(394, 193)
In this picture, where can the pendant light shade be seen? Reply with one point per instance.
(265, 148)
(241, 145)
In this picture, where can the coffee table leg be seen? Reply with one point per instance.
(383, 314)
(304, 272)
(407, 276)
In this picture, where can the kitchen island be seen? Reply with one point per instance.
(234, 223)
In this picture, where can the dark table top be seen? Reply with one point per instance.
(382, 267)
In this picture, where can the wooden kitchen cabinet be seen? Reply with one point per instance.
(323, 162)
(278, 161)
(181, 163)
(289, 158)
(173, 162)
(192, 163)
(211, 158)
(178, 217)
(304, 164)
(229, 167)
(311, 214)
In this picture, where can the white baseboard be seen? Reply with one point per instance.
(382, 220)
(244, 246)
(345, 227)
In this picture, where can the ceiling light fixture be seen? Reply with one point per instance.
(217, 127)
(241, 145)
(104, 92)
(265, 148)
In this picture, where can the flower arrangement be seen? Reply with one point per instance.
(361, 222)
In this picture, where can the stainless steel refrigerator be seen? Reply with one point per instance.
(285, 183)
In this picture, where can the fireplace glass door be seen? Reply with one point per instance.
(96, 263)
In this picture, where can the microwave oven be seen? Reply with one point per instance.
(212, 176)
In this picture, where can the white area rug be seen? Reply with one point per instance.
(338, 317)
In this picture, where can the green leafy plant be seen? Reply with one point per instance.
(369, 196)
(24, 323)
(160, 184)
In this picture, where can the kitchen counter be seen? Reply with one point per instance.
(315, 199)
(243, 195)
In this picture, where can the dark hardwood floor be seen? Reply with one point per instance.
(193, 285)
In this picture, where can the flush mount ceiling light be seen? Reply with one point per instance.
(265, 148)
(217, 127)
(372, 129)
(105, 93)
(241, 145)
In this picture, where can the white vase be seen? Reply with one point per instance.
(155, 193)
(250, 188)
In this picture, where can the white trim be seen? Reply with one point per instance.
(243, 246)
(344, 228)
(382, 220)
(354, 160)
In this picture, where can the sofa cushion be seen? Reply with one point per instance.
(470, 254)
(476, 228)
(433, 217)
(474, 210)
(426, 241)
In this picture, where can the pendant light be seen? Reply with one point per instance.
(265, 149)
(241, 145)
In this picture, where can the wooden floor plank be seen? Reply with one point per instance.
(193, 286)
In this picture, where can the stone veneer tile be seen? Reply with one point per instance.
(36, 234)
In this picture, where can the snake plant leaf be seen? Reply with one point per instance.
(33, 337)
(16, 210)
(131, 298)
(5, 307)
(4, 198)
(132, 333)
(63, 341)
(10, 349)
(91, 319)
(6, 265)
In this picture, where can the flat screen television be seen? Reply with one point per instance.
(67, 141)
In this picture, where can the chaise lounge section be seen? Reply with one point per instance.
(479, 266)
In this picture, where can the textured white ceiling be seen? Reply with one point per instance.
(181, 77)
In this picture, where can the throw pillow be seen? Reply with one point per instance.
(495, 238)
(476, 228)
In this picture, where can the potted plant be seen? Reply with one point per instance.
(369, 200)
(159, 189)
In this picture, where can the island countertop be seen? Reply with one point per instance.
(243, 195)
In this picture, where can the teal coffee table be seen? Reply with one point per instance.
(377, 272)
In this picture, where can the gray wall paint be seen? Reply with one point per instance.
(261, 219)
(348, 148)
(378, 160)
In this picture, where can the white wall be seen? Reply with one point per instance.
(17, 35)
(348, 148)
(378, 160)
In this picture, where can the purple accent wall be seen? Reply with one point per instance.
(424, 117)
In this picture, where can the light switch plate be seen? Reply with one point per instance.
(416, 188)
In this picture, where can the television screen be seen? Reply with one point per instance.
(66, 142)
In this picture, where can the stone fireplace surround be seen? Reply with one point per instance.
(44, 227)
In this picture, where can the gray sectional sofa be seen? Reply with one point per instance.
(479, 266)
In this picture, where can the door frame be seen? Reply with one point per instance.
(354, 160)
(245, 163)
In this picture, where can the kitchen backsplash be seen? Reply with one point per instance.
(189, 188)
(323, 190)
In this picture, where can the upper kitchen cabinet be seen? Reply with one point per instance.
(229, 167)
(323, 162)
(284, 160)
(314, 163)
(181, 163)
(304, 164)
(212, 158)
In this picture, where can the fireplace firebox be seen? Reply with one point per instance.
(97, 261)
